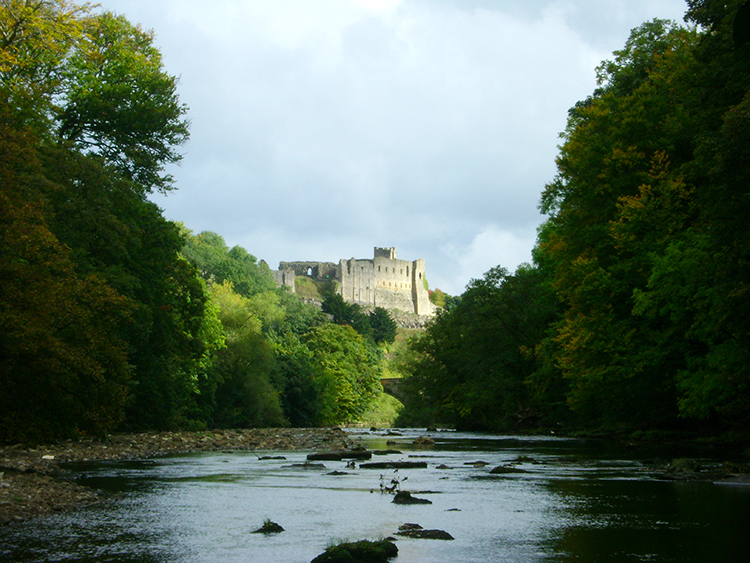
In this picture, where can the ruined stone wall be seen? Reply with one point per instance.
(284, 277)
(320, 271)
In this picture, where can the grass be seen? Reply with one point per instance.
(310, 289)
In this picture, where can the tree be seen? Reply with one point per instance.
(218, 263)
(346, 374)
(344, 313)
(120, 104)
(245, 395)
(63, 366)
(384, 328)
(36, 39)
(95, 81)
(472, 366)
(106, 120)
(620, 193)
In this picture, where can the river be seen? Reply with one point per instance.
(574, 501)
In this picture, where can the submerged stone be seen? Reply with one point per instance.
(507, 469)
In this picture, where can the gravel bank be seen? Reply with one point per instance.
(35, 481)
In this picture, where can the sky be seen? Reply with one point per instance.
(321, 129)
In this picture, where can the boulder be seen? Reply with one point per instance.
(424, 441)
(476, 463)
(416, 531)
(325, 456)
(357, 453)
(404, 497)
(364, 551)
(394, 465)
(269, 527)
(507, 469)
(305, 465)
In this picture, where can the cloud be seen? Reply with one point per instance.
(321, 129)
(494, 246)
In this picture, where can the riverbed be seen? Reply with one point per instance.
(561, 500)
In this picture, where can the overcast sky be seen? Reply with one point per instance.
(323, 128)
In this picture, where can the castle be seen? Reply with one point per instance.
(383, 281)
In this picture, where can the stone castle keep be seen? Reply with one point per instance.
(383, 281)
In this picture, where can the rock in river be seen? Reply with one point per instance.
(416, 531)
(364, 551)
(404, 497)
(394, 465)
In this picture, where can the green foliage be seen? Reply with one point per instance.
(383, 412)
(218, 263)
(438, 297)
(100, 120)
(443, 300)
(63, 366)
(384, 328)
(244, 395)
(471, 366)
(119, 103)
(296, 374)
(644, 244)
(346, 372)
(377, 326)
(351, 314)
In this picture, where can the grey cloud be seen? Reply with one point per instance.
(431, 127)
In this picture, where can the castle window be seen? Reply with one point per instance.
(402, 270)
(378, 268)
(407, 270)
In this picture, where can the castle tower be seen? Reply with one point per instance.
(382, 281)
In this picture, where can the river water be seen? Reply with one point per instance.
(574, 501)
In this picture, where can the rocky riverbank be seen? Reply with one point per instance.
(36, 481)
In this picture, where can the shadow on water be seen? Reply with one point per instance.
(561, 501)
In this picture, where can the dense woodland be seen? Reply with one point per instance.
(112, 317)
(633, 316)
(635, 313)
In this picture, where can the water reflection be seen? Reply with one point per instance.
(574, 501)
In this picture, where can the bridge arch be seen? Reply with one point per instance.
(391, 387)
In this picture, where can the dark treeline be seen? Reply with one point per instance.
(112, 317)
(635, 313)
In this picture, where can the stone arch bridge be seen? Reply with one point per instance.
(391, 387)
